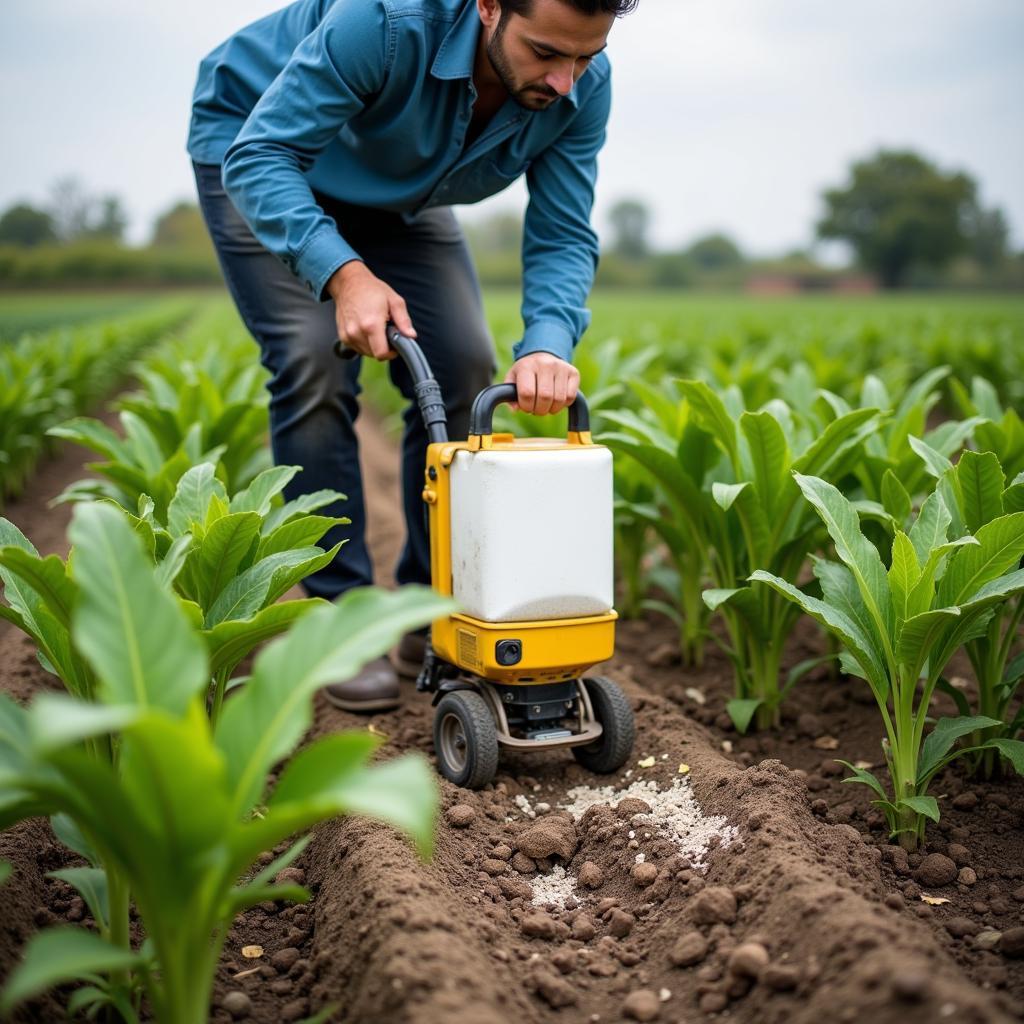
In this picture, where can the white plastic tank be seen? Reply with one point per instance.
(532, 531)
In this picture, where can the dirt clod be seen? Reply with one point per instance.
(283, 959)
(781, 977)
(936, 870)
(1012, 943)
(748, 960)
(238, 1004)
(620, 923)
(713, 1002)
(644, 874)
(460, 816)
(714, 904)
(555, 991)
(642, 1005)
(523, 864)
(538, 926)
(630, 806)
(591, 876)
(555, 836)
(689, 949)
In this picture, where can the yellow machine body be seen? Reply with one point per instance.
(553, 650)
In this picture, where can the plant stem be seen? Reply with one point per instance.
(220, 681)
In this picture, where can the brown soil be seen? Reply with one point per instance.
(808, 916)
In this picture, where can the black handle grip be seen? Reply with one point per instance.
(481, 416)
(428, 391)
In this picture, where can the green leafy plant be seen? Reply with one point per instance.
(976, 494)
(729, 497)
(900, 625)
(185, 809)
(45, 378)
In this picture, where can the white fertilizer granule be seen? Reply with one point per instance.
(555, 887)
(674, 813)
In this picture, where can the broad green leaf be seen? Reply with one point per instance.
(769, 456)
(67, 830)
(46, 576)
(725, 495)
(923, 594)
(1012, 750)
(931, 528)
(836, 621)
(935, 462)
(864, 777)
(192, 497)
(56, 720)
(853, 548)
(742, 712)
(268, 717)
(303, 532)
(176, 779)
(258, 495)
(220, 553)
(999, 548)
(895, 499)
(229, 642)
(904, 573)
(173, 562)
(842, 434)
(714, 417)
(839, 589)
(946, 732)
(91, 884)
(921, 635)
(94, 435)
(980, 482)
(57, 955)
(248, 592)
(1013, 498)
(926, 805)
(130, 629)
(683, 493)
(330, 774)
(299, 506)
(744, 605)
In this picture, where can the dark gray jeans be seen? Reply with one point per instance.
(313, 394)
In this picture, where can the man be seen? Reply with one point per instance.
(328, 141)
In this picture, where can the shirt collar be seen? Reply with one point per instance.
(457, 52)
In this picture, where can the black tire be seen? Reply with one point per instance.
(612, 709)
(465, 739)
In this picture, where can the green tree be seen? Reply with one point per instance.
(715, 252)
(110, 221)
(989, 235)
(22, 224)
(181, 227)
(898, 211)
(630, 219)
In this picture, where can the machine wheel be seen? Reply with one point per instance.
(611, 708)
(465, 739)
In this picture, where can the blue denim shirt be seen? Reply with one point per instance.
(369, 101)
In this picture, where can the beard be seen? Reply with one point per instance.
(531, 97)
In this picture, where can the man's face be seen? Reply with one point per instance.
(538, 58)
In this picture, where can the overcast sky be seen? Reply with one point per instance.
(729, 114)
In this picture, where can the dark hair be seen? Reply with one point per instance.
(616, 7)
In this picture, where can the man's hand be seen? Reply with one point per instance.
(545, 383)
(363, 305)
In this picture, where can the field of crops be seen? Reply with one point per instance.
(819, 530)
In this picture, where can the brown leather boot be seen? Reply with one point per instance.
(407, 657)
(375, 688)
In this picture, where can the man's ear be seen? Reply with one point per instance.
(489, 11)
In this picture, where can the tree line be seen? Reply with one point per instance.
(905, 220)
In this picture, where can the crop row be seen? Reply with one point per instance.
(168, 772)
(45, 378)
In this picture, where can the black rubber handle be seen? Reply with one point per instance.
(428, 391)
(481, 416)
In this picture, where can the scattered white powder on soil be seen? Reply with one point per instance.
(555, 887)
(675, 814)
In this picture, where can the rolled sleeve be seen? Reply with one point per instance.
(326, 82)
(560, 248)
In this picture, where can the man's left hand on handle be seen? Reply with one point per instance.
(545, 383)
